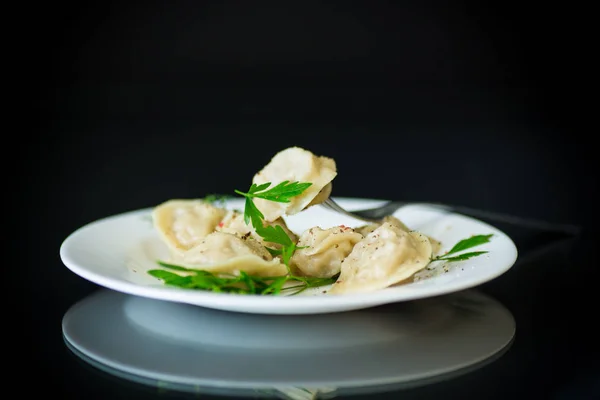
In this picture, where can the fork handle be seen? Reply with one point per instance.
(498, 217)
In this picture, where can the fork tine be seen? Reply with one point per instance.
(333, 206)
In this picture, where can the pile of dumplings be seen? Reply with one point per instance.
(367, 258)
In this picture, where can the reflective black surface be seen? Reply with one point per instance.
(193, 349)
(455, 103)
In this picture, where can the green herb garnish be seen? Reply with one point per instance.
(464, 244)
(281, 193)
(237, 284)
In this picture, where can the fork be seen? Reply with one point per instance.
(376, 215)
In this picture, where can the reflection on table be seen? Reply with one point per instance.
(185, 348)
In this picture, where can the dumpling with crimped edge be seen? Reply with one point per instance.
(183, 223)
(234, 223)
(221, 252)
(386, 256)
(366, 229)
(295, 164)
(321, 251)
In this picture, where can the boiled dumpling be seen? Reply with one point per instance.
(221, 252)
(322, 195)
(295, 164)
(182, 224)
(386, 256)
(366, 229)
(234, 223)
(324, 250)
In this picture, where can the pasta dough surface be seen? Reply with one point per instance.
(182, 224)
(234, 223)
(386, 256)
(221, 252)
(295, 164)
(366, 229)
(322, 250)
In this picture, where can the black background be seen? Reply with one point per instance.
(457, 102)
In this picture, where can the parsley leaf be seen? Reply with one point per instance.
(286, 253)
(460, 257)
(281, 192)
(475, 240)
(252, 214)
(274, 234)
(239, 284)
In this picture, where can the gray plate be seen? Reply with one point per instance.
(190, 348)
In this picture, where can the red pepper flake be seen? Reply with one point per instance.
(221, 224)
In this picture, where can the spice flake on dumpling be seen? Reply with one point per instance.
(386, 256)
(366, 229)
(221, 252)
(234, 223)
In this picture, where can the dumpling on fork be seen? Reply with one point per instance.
(296, 164)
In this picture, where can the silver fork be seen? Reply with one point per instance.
(375, 215)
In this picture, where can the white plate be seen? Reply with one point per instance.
(116, 252)
(183, 347)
